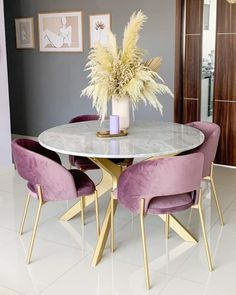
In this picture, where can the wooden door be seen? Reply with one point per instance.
(224, 113)
(192, 60)
(189, 22)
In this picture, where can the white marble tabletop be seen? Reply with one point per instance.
(144, 139)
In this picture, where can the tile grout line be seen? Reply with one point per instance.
(196, 283)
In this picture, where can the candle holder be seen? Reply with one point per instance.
(106, 133)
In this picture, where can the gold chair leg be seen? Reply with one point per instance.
(167, 226)
(97, 212)
(25, 213)
(112, 224)
(144, 244)
(35, 225)
(217, 201)
(82, 210)
(204, 232)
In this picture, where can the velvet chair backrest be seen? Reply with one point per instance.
(211, 132)
(83, 118)
(160, 177)
(40, 166)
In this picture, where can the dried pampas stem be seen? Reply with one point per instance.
(154, 63)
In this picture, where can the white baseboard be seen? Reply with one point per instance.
(226, 166)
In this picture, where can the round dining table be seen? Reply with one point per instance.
(145, 140)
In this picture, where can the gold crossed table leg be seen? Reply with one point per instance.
(115, 171)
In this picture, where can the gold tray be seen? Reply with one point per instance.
(106, 133)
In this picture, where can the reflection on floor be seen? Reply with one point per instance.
(63, 250)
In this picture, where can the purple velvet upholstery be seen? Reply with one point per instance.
(84, 185)
(40, 166)
(170, 204)
(34, 146)
(84, 118)
(83, 163)
(168, 185)
(210, 144)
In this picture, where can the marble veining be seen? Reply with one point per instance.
(145, 139)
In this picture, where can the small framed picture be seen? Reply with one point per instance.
(24, 32)
(60, 32)
(99, 26)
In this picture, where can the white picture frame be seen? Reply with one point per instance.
(24, 33)
(60, 32)
(99, 26)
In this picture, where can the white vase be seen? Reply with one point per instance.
(120, 107)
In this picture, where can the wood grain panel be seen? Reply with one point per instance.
(226, 17)
(225, 117)
(225, 82)
(192, 61)
(179, 34)
(194, 16)
(225, 71)
(190, 110)
(192, 70)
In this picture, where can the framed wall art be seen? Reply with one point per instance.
(60, 32)
(99, 26)
(24, 32)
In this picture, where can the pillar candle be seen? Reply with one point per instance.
(114, 124)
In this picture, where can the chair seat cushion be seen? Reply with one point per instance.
(170, 204)
(83, 163)
(84, 185)
(32, 189)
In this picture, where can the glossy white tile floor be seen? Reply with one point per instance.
(63, 250)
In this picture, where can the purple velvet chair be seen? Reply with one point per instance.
(211, 132)
(83, 163)
(48, 180)
(161, 186)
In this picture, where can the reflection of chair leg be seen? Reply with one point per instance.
(167, 226)
(144, 244)
(213, 189)
(25, 213)
(216, 201)
(97, 212)
(82, 210)
(112, 223)
(204, 232)
(35, 225)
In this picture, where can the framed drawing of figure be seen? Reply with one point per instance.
(24, 32)
(60, 32)
(99, 26)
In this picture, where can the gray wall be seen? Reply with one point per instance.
(45, 87)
